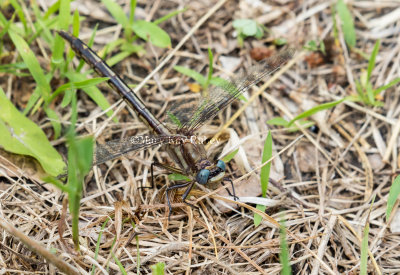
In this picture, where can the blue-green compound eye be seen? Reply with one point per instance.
(221, 165)
(202, 176)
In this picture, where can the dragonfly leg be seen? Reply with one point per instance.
(233, 188)
(190, 184)
(164, 166)
(184, 196)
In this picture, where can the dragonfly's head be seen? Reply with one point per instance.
(212, 173)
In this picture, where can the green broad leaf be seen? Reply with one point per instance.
(316, 109)
(199, 78)
(178, 177)
(21, 136)
(248, 27)
(347, 23)
(393, 195)
(32, 63)
(158, 269)
(150, 31)
(372, 59)
(117, 12)
(279, 121)
(230, 156)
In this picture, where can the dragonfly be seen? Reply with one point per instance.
(180, 142)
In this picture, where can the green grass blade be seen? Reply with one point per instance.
(370, 93)
(75, 23)
(132, 11)
(54, 120)
(33, 99)
(117, 12)
(90, 43)
(199, 78)
(78, 85)
(364, 250)
(394, 193)
(115, 59)
(96, 252)
(210, 68)
(169, 15)
(32, 63)
(279, 121)
(230, 156)
(18, 10)
(364, 243)
(265, 171)
(92, 91)
(264, 175)
(284, 254)
(316, 109)
(64, 19)
(372, 59)
(387, 86)
(121, 267)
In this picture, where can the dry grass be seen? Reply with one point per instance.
(322, 184)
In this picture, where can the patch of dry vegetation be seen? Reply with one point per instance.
(322, 184)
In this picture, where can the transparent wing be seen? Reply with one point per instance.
(193, 115)
(119, 147)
